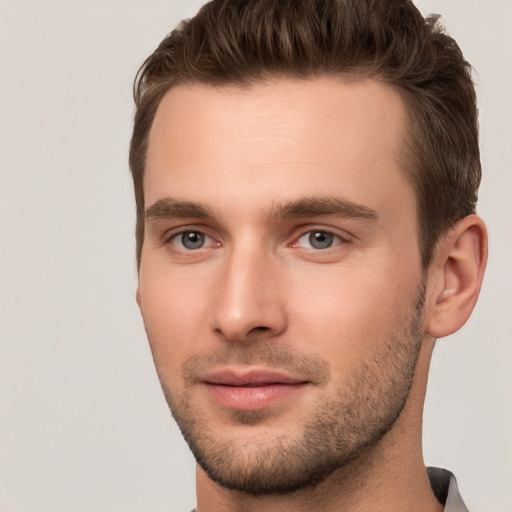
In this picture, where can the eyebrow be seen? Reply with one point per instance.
(320, 206)
(168, 208)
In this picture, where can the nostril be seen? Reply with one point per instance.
(260, 328)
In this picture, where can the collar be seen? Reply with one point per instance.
(444, 486)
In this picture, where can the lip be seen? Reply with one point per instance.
(254, 389)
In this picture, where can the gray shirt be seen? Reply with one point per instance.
(445, 488)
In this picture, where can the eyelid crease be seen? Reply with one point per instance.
(304, 229)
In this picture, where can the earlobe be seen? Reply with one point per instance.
(457, 272)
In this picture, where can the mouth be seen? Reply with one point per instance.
(251, 390)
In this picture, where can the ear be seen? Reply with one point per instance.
(137, 297)
(455, 276)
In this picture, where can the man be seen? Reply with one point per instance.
(306, 175)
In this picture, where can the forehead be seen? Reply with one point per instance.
(277, 139)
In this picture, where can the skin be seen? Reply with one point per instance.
(243, 155)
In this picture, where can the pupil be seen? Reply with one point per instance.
(192, 240)
(321, 239)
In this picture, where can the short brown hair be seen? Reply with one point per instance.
(248, 41)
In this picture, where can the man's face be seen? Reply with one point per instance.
(280, 281)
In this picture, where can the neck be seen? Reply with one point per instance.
(389, 476)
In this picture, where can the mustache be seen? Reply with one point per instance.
(266, 353)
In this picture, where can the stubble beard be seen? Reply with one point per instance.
(341, 430)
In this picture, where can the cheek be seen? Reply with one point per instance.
(351, 314)
(173, 313)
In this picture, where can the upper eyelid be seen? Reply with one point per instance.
(173, 238)
(341, 240)
(341, 233)
(170, 233)
(293, 237)
(328, 231)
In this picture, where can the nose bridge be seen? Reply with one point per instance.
(248, 301)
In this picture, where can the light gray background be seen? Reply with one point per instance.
(83, 424)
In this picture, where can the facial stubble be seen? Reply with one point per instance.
(340, 431)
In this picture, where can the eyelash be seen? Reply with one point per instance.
(336, 239)
(180, 234)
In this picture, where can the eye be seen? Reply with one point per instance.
(318, 239)
(191, 240)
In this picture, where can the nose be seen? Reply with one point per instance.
(249, 303)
